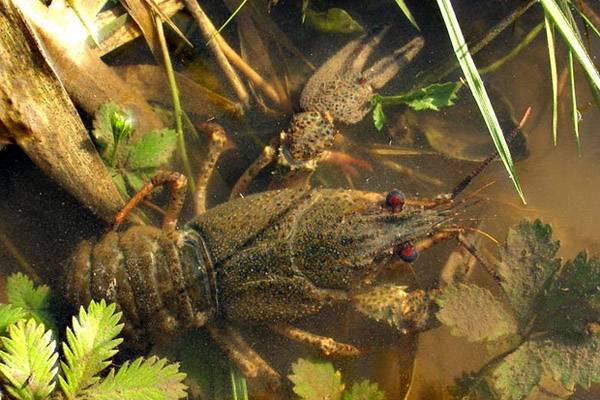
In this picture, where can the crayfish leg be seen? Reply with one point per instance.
(327, 345)
(268, 155)
(242, 355)
(177, 183)
(217, 143)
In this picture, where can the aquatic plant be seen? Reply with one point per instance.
(545, 319)
(317, 380)
(130, 163)
(29, 356)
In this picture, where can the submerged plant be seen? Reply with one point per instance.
(546, 319)
(28, 355)
(317, 380)
(130, 163)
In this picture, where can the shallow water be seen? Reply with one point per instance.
(44, 223)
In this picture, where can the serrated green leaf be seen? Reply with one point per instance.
(517, 374)
(9, 315)
(527, 264)
(473, 312)
(102, 129)
(150, 379)
(573, 298)
(35, 301)
(334, 20)
(315, 380)
(90, 344)
(432, 97)
(378, 116)
(571, 361)
(28, 362)
(152, 150)
(364, 390)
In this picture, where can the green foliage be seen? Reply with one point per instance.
(28, 360)
(33, 301)
(28, 364)
(432, 97)
(527, 264)
(9, 315)
(141, 379)
(407, 13)
(334, 20)
(473, 312)
(558, 309)
(130, 163)
(317, 380)
(364, 390)
(90, 345)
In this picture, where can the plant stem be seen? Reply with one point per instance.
(176, 104)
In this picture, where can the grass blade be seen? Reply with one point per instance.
(553, 74)
(407, 13)
(478, 89)
(231, 17)
(571, 37)
(575, 113)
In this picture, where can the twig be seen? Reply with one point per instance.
(175, 98)
(208, 30)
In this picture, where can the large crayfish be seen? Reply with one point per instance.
(269, 259)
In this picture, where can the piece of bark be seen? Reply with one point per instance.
(40, 117)
(87, 79)
(130, 30)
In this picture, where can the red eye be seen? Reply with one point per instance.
(361, 81)
(407, 252)
(395, 200)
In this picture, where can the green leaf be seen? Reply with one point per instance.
(473, 312)
(28, 362)
(517, 374)
(407, 13)
(364, 390)
(315, 380)
(571, 362)
(135, 180)
(527, 264)
(478, 89)
(334, 20)
(573, 298)
(152, 150)
(572, 39)
(150, 379)
(378, 116)
(432, 97)
(102, 129)
(9, 315)
(35, 301)
(553, 73)
(89, 346)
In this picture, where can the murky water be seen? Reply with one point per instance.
(43, 223)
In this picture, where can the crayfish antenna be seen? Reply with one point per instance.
(467, 180)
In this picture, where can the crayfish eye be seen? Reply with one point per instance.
(395, 200)
(408, 253)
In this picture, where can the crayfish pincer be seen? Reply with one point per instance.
(267, 259)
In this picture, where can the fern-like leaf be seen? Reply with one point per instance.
(9, 315)
(90, 344)
(151, 379)
(28, 362)
(35, 301)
